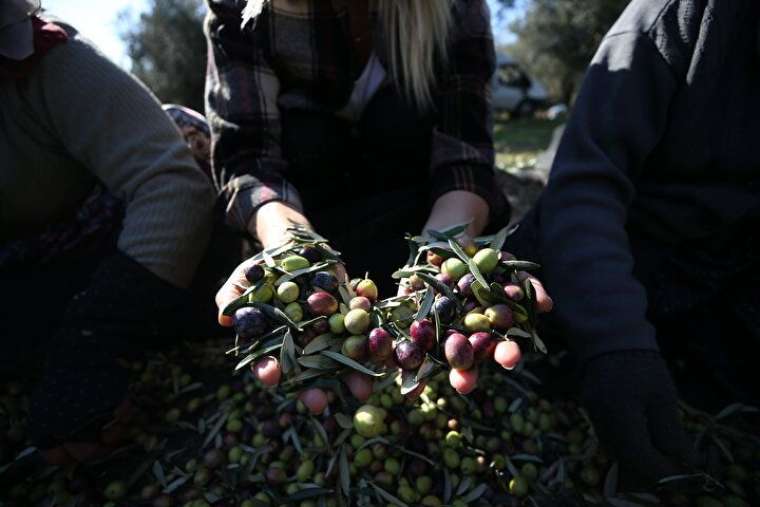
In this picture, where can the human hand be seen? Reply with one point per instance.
(633, 405)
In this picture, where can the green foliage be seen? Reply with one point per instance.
(556, 39)
(168, 49)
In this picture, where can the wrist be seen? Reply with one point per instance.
(270, 223)
(459, 207)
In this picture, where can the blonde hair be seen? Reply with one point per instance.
(416, 34)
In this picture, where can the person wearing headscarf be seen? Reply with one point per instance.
(104, 219)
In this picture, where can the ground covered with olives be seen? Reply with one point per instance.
(433, 397)
(203, 438)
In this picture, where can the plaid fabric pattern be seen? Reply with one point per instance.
(297, 55)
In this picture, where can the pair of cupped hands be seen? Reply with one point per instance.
(630, 396)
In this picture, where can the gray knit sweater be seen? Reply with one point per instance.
(79, 119)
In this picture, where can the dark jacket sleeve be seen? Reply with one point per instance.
(462, 150)
(619, 117)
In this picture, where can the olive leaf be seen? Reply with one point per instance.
(521, 265)
(448, 233)
(498, 240)
(438, 236)
(387, 496)
(276, 314)
(735, 408)
(413, 250)
(158, 472)
(516, 331)
(268, 259)
(437, 322)
(426, 369)
(350, 363)
(411, 270)
(538, 342)
(481, 293)
(426, 305)
(446, 486)
(343, 469)
(252, 357)
(317, 362)
(497, 293)
(303, 377)
(409, 382)
(305, 494)
(345, 295)
(272, 252)
(242, 300)
(288, 355)
(530, 296)
(304, 271)
(464, 486)
(475, 494)
(440, 287)
(321, 342)
(344, 421)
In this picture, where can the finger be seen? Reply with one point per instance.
(668, 435)
(544, 302)
(231, 290)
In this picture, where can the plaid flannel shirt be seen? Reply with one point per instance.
(298, 55)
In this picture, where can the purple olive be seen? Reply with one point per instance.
(483, 346)
(409, 355)
(311, 254)
(423, 333)
(254, 273)
(446, 309)
(380, 343)
(445, 279)
(250, 323)
(458, 351)
(465, 284)
(321, 327)
(325, 281)
(322, 303)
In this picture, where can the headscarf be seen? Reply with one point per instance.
(24, 37)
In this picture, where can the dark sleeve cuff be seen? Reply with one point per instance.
(246, 194)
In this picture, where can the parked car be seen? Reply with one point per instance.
(514, 91)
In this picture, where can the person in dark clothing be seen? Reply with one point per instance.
(648, 228)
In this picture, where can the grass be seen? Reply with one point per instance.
(518, 142)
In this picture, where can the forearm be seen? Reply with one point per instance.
(459, 207)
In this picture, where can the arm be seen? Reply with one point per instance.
(619, 118)
(462, 161)
(241, 107)
(114, 126)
